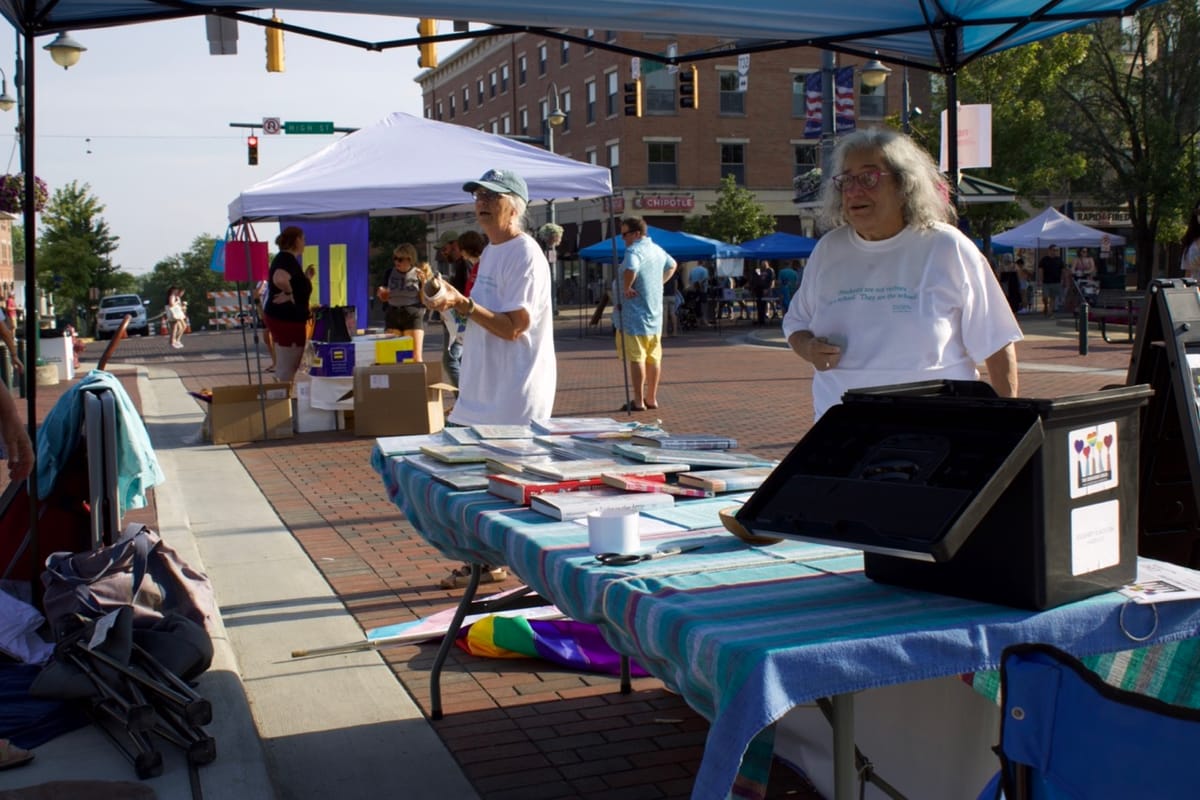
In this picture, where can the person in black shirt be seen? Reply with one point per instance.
(1050, 270)
(286, 312)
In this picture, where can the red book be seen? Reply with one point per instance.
(520, 489)
(652, 483)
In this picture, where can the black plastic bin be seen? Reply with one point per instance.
(950, 489)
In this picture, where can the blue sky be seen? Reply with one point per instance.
(144, 117)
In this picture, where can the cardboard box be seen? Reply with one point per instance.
(332, 360)
(236, 413)
(396, 350)
(332, 394)
(398, 399)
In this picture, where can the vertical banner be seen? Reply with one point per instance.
(843, 100)
(812, 105)
(340, 256)
(974, 136)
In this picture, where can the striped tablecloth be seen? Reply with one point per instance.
(746, 633)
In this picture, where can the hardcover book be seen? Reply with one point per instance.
(726, 480)
(683, 441)
(522, 488)
(503, 431)
(458, 453)
(515, 447)
(569, 425)
(574, 505)
(595, 467)
(463, 480)
(695, 458)
(651, 483)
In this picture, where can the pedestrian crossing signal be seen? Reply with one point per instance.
(633, 98)
(252, 150)
(689, 96)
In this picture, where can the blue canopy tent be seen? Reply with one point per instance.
(681, 246)
(779, 245)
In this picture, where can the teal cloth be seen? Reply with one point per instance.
(137, 466)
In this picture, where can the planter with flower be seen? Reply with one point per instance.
(12, 193)
(550, 235)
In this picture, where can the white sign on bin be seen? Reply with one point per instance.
(974, 137)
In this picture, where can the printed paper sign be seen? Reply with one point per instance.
(379, 381)
(1095, 537)
(1092, 459)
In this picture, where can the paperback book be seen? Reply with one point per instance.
(595, 467)
(570, 425)
(651, 483)
(727, 480)
(464, 480)
(514, 465)
(515, 447)
(460, 435)
(695, 458)
(435, 467)
(522, 488)
(503, 431)
(458, 453)
(683, 441)
(573, 505)
(406, 445)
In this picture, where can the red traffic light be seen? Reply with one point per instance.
(252, 150)
(252, 140)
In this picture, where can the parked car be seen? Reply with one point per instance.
(114, 308)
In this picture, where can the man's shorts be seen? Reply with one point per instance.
(1052, 292)
(405, 318)
(640, 349)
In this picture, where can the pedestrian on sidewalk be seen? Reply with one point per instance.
(288, 294)
(893, 292)
(638, 317)
(404, 315)
(1050, 270)
(176, 313)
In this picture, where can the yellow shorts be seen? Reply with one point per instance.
(646, 349)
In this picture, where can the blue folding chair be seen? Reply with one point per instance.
(1067, 735)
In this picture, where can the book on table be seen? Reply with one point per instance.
(458, 453)
(464, 480)
(652, 483)
(569, 425)
(406, 445)
(595, 467)
(434, 467)
(503, 431)
(574, 505)
(695, 458)
(459, 435)
(522, 488)
(515, 447)
(737, 479)
(683, 441)
(514, 465)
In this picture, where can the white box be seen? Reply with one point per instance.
(308, 419)
(332, 394)
(60, 352)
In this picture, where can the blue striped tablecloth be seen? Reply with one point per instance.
(746, 633)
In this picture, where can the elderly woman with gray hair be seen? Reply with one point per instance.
(893, 292)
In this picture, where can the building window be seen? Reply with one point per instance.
(590, 107)
(495, 126)
(541, 59)
(733, 100)
(658, 92)
(610, 36)
(566, 53)
(506, 124)
(661, 169)
(566, 109)
(592, 157)
(451, 106)
(479, 96)
(544, 114)
(614, 163)
(590, 34)
(466, 99)
(800, 96)
(872, 101)
(524, 121)
(522, 69)
(504, 77)
(806, 158)
(439, 111)
(492, 81)
(610, 94)
(733, 162)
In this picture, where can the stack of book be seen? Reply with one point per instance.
(578, 504)
(683, 441)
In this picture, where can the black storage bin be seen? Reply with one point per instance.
(950, 489)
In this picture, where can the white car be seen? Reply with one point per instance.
(114, 308)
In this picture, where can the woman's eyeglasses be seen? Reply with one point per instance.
(867, 180)
(486, 195)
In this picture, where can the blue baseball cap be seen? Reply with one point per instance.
(501, 181)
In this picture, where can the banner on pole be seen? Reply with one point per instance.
(812, 105)
(843, 100)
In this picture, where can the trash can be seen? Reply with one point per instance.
(58, 348)
(950, 489)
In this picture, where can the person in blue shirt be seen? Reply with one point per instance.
(638, 317)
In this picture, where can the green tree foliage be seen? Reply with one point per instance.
(387, 232)
(75, 248)
(189, 271)
(1134, 104)
(735, 217)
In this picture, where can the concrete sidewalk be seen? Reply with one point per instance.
(339, 727)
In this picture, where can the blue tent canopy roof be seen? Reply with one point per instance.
(681, 246)
(779, 245)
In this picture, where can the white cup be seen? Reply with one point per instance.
(614, 530)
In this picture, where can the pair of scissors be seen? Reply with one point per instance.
(625, 559)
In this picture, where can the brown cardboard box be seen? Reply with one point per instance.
(398, 399)
(235, 413)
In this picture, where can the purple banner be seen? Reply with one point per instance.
(341, 246)
(843, 100)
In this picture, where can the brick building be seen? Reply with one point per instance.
(668, 163)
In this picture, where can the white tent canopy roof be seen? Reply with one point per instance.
(1052, 227)
(406, 164)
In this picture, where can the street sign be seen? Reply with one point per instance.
(307, 127)
(635, 68)
(272, 126)
(744, 64)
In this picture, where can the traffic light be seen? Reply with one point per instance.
(252, 150)
(428, 57)
(275, 47)
(633, 98)
(689, 95)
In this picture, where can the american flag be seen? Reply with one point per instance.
(843, 100)
(813, 104)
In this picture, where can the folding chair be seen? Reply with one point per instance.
(1067, 735)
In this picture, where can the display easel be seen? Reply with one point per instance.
(1166, 355)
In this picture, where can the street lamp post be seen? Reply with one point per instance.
(555, 117)
(874, 73)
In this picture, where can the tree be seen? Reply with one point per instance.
(75, 248)
(735, 217)
(1134, 102)
(189, 271)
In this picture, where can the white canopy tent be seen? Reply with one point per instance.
(405, 164)
(1053, 227)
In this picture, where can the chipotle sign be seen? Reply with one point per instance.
(665, 202)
